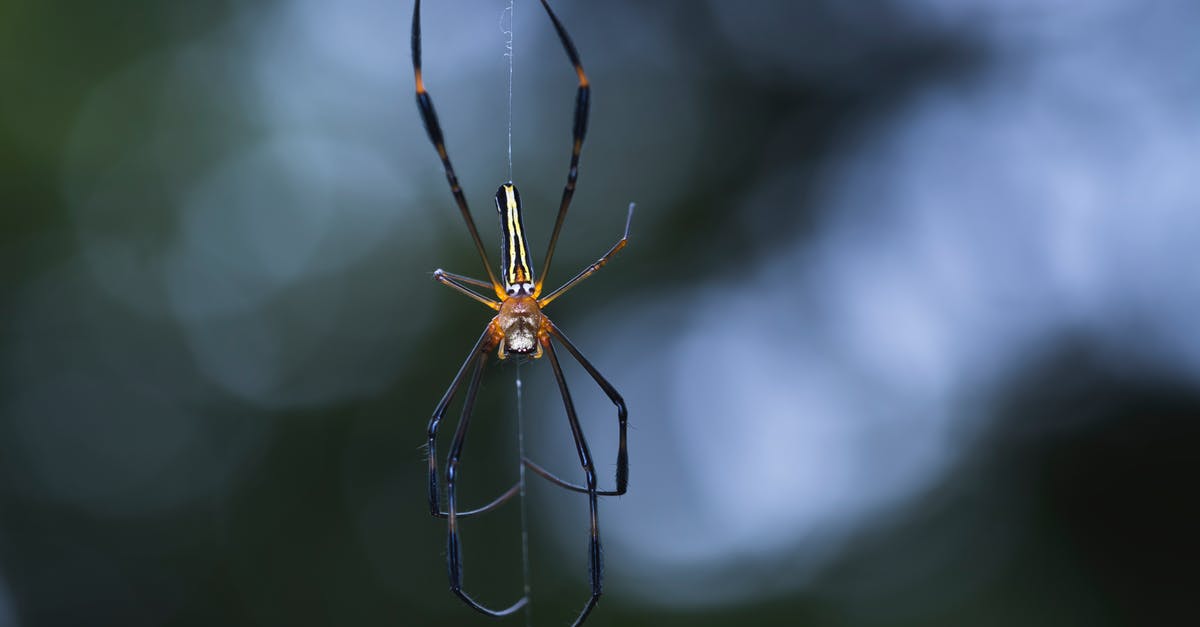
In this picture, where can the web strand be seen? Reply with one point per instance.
(508, 52)
(524, 509)
(525, 568)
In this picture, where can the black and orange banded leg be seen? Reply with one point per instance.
(622, 478)
(429, 117)
(578, 131)
(595, 565)
(478, 354)
(594, 267)
(454, 563)
(461, 284)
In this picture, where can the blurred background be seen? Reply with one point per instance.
(906, 326)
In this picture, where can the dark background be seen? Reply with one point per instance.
(906, 324)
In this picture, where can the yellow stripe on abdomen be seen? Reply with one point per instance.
(517, 271)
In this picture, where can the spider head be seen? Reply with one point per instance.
(520, 338)
(520, 322)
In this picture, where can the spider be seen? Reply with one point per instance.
(519, 329)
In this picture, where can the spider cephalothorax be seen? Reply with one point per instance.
(520, 323)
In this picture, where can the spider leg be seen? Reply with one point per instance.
(478, 354)
(429, 117)
(461, 278)
(460, 283)
(596, 265)
(579, 130)
(454, 563)
(622, 420)
(595, 569)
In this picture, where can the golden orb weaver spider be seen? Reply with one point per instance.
(519, 328)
